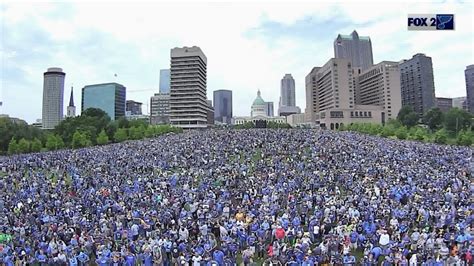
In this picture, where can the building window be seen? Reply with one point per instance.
(352, 114)
(370, 114)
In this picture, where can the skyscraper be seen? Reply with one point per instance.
(287, 91)
(53, 97)
(164, 81)
(417, 83)
(357, 49)
(223, 106)
(188, 102)
(269, 109)
(287, 104)
(109, 97)
(71, 109)
(469, 75)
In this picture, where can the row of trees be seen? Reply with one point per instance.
(92, 127)
(453, 127)
(453, 121)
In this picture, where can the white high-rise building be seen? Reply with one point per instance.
(53, 96)
(188, 101)
(380, 85)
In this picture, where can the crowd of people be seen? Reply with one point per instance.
(250, 197)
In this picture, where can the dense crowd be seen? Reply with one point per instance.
(272, 197)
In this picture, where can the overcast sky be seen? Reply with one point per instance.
(248, 46)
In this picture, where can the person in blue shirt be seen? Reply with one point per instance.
(83, 258)
(218, 256)
(147, 258)
(73, 261)
(130, 259)
(41, 257)
(103, 260)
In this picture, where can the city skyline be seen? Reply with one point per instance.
(250, 54)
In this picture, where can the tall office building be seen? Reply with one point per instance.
(312, 100)
(469, 75)
(380, 85)
(417, 83)
(223, 106)
(444, 104)
(160, 108)
(188, 102)
(109, 97)
(53, 97)
(357, 49)
(164, 81)
(135, 108)
(287, 91)
(287, 104)
(269, 109)
(71, 109)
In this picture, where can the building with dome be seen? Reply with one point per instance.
(258, 111)
(258, 106)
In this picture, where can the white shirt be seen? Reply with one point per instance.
(196, 260)
(384, 239)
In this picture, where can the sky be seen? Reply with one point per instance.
(250, 45)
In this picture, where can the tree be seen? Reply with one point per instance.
(54, 142)
(36, 145)
(387, 131)
(13, 146)
(401, 133)
(102, 139)
(111, 128)
(120, 135)
(433, 118)
(149, 132)
(419, 134)
(92, 121)
(80, 140)
(23, 146)
(457, 120)
(465, 138)
(136, 132)
(19, 129)
(407, 116)
(441, 136)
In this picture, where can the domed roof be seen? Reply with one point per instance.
(258, 100)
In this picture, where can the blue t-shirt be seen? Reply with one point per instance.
(130, 260)
(219, 257)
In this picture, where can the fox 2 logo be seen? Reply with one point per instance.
(431, 22)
